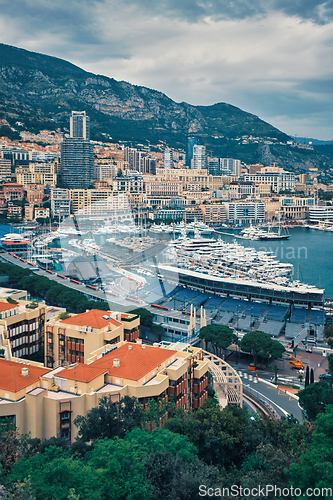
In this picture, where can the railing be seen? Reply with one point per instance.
(226, 378)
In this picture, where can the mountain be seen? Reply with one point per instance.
(39, 91)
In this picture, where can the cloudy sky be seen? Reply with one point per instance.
(273, 58)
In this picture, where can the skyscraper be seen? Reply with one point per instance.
(77, 153)
(80, 125)
(190, 142)
(168, 158)
(199, 157)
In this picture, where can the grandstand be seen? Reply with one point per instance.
(277, 313)
(200, 299)
(299, 315)
(316, 317)
(293, 330)
(256, 309)
(243, 323)
(223, 318)
(214, 302)
(273, 328)
(233, 305)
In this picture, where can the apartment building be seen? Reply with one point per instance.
(277, 178)
(162, 187)
(13, 211)
(45, 402)
(34, 193)
(243, 212)
(23, 325)
(241, 190)
(213, 214)
(44, 173)
(13, 191)
(60, 203)
(5, 169)
(105, 171)
(128, 184)
(97, 202)
(75, 339)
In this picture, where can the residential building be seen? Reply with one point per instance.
(168, 158)
(77, 338)
(34, 193)
(13, 211)
(77, 162)
(190, 143)
(242, 212)
(133, 184)
(321, 214)
(23, 326)
(230, 166)
(13, 191)
(44, 173)
(5, 169)
(45, 403)
(213, 166)
(214, 214)
(277, 178)
(102, 202)
(60, 203)
(79, 124)
(162, 187)
(241, 190)
(296, 208)
(105, 171)
(199, 157)
(42, 213)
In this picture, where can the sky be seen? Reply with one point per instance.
(272, 58)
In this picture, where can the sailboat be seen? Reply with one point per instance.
(270, 235)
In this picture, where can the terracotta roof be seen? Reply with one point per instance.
(82, 372)
(93, 318)
(4, 306)
(11, 378)
(136, 362)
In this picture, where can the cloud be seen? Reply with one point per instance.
(272, 58)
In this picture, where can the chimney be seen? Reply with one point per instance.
(116, 363)
(129, 347)
(25, 372)
(143, 346)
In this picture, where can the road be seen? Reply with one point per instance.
(282, 403)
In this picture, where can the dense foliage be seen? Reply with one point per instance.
(54, 293)
(124, 451)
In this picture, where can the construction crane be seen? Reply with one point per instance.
(295, 362)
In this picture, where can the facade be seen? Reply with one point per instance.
(13, 211)
(190, 143)
(60, 203)
(162, 188)
(45, 402)
(168, 158)
(321, 214)
(105, 171)
(296, 208)
(77, 162)
(229, 166)
(199, 157)
(79, 124)
(23, 326)
(5, 169)
(213, 214)
(278, 180)
(101, 202)
(241, 190)
(42, 213)
(13, 191)
(38, 173)
(35, 193)
(75, 339)
(130, 184)
(244, 212)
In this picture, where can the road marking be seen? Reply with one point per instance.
(265, 397)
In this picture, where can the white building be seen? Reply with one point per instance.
(199, 157)
(229, 166)
(242, 212)
(321, 214)
(60, 203)
(278, 180)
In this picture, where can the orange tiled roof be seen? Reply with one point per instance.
(135, 363)
(82, 372)
(11, 378)
(93, 318)
(4, 306)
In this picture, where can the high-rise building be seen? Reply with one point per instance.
(77, 153)
(168, 158)
(199, 157)
(190, 142)
(229, 166)
(80, 125)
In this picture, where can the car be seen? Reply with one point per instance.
(325, 376)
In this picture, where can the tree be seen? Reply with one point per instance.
(146, 317)
(311, 376)
(260, 344)
(330, 364)
(109, 419)
(328, 333)
(307, 376)
(219, 336)
(275, 370)
(314, 398)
